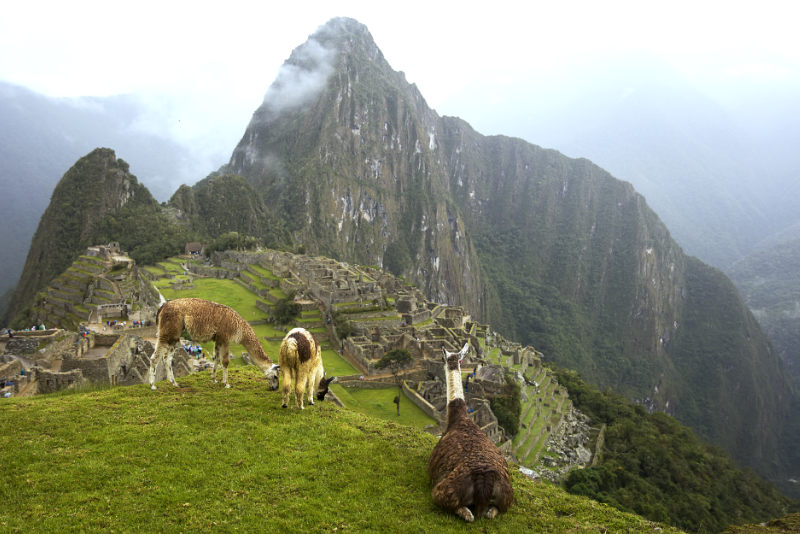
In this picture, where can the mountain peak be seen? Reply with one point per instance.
(341, 27)
(302, 77)
(347, 36)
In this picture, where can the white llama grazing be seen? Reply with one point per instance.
(204, 320)
(300, 360)
(468, 472)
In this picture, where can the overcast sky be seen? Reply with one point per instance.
(210, 63)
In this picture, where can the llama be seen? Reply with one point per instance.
(468, 472)
(300, 362)
(204, 320)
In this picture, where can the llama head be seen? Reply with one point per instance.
(271, 375)
(322, 389)
(453, 359)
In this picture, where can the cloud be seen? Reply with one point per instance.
(301, 77)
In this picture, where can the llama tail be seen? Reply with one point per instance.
(491, 489)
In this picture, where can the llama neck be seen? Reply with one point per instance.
(456, 412)
(256, 350)
(455, 390)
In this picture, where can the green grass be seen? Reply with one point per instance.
(335, 365)
(380, 403)
(265, 273)
(250, 278)
(225, 292)
(201, 458)
(154, 270)
(277, 293)
(172, 265)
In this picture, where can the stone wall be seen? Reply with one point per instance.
(22, 345)
(51, 381)
(10, 369)
(423, 405)
(94, 370)
(213, 272)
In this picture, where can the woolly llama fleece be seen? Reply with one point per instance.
(300, 361)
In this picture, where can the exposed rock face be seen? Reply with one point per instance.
(767, 280)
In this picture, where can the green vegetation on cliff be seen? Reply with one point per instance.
(144, 232)
(769, 280)
(225, 204)
(654, 466)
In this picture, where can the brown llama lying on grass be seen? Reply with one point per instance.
(468, 472)
(204, 320)
(300, 360)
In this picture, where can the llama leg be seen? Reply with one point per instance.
(157, 353)
(310, 388)
(225, 361)
(465, 514)
(170, 375)
(286, 387)
(300, 391)
(447, 495)
(214, 367)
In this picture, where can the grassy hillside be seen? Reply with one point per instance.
(202, 458)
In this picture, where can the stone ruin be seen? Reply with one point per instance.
(45, 361)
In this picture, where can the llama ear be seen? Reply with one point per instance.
(463, 352)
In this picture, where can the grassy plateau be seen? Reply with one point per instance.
(203, 458)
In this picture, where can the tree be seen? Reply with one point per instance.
(395, 360)
(285, 310)
(343, 327)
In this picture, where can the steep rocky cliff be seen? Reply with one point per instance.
(346, 150)
(553, 251)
